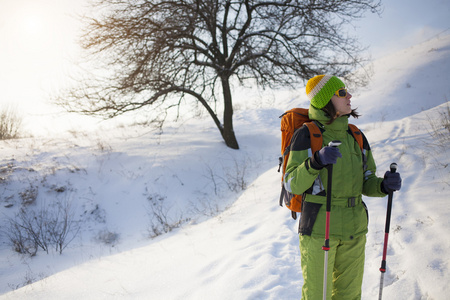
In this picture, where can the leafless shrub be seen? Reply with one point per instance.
(439, 129)
(19, 238)
(29, 195)
(234, 177)
(63, 227)
(10, 123)
(29, 278)
(6, 171)
(206, 205)
(47, 227)
(212, 177)
(102, 146)
(28, 230)
(107, 237)
(160, 220)
(93, 212)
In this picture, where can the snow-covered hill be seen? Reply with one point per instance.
(230, 239)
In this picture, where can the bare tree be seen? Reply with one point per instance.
(158, 51)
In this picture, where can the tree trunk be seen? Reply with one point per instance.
(228, 132)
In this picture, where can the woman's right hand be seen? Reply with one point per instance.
(328, 155)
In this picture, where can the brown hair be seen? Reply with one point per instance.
(333, 114)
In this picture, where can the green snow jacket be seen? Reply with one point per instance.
(349, 216)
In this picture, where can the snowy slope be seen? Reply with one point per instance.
(407, 82)
(249, 250)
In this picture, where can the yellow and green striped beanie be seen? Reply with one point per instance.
(321, 88)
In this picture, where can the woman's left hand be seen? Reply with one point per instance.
(391, 182)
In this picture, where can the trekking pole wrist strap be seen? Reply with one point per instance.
(315, 163)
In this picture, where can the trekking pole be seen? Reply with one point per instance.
(393, 168)
(326, 246)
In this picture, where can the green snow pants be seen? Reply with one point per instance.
(345, 267)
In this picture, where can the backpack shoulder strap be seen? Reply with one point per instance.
(362, 142)
(316, 136)
(357, 134)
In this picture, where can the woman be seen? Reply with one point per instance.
(353, 176)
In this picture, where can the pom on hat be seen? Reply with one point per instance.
(321, 88)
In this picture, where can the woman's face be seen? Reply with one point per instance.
(342, 105)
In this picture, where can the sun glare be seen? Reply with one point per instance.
(37, 43)
(32, 22)
(32, 25)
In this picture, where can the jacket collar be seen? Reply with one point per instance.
(320, 116)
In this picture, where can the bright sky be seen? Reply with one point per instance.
(38, 43)
(403, 23)
(38, 46)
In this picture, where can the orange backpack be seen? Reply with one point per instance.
(292, 120)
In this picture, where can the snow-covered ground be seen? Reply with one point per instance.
(230, 239)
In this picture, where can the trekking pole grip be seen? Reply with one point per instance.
(393, 167)
(334, 143)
